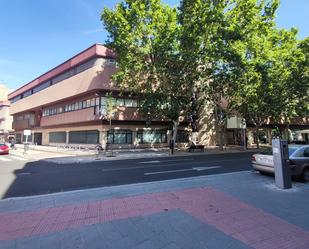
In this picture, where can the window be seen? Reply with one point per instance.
(119, 137)
(97, 101)
(13, 100)
(18, 138)
(151, 137)
(26, 94)
(92, 102)
(103, 100)
(80, 105)
(129, 103)
(84, 137)
(85, 66)
(120, 102)
(110, 62)
(88, 103)
(57, 137)
(42, 86)
(63, 76)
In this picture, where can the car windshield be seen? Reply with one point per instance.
(2, 144)
(269, 151)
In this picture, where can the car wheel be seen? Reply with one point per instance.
(306, 175)
(264, 173)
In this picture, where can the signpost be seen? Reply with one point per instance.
(26, 144)
(243, 125)
(282, 170)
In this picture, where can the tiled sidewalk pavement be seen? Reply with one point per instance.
(196, 216)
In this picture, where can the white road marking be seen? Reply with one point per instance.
(24, 173)
(205, 168)
(181, 170)
(168, 171)
(4, 159)
(148, 162)
(164, 161)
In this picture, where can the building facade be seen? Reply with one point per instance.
(65, 106)
(5, 118)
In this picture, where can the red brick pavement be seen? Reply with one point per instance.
(248, 224)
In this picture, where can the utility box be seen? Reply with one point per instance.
(281, 166)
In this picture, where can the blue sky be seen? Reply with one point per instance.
(37, 35)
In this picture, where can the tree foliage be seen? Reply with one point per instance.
(229, 50)
(145, 36)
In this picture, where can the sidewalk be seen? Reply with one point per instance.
(235, 210)
(58, 156)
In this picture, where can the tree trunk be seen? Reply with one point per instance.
(174, 135)
(175, 129)
(256, 136)
(221, 137)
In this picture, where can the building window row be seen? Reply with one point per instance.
(75, 70)
(84, 137)
(27, 116)
(93, 102)
(70, 107)
(119, 137)
(113, 137)
(151, 137)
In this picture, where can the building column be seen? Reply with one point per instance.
(134, 142)
(103, 138)
(67, 137)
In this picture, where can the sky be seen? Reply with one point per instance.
(37, 35)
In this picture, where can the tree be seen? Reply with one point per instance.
(260, 90)
(210, 40)
(298, 81)
(145, 36)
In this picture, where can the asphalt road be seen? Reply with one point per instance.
(41, 177)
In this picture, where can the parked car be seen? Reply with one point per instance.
(4, 149)
(298, 161)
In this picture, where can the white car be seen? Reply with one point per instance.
(298, 161)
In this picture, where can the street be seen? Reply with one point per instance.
(25, 178)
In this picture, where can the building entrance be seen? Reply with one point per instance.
(37, 138)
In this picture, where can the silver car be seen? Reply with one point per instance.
(298, 161)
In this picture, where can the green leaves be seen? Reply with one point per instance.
(145, 36)
(227, 49)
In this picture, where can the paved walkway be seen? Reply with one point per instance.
(236, 210)
(63, 156)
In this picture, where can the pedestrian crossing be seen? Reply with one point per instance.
(11, 158)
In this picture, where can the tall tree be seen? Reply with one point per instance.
(260, 89)
(145, 37)
(211, 42)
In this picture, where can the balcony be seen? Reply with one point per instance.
(21, 124)
(83, 115)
